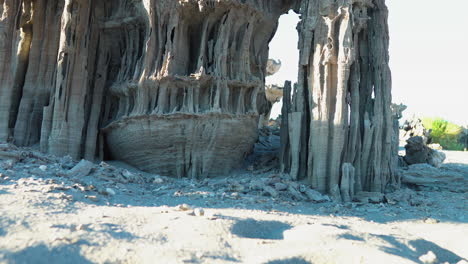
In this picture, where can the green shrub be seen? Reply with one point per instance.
(450, 143)
(445, 133)
(439, 128)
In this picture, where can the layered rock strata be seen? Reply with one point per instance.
(339, 123)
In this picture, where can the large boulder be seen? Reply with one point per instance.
(418, 152)
(436, 158)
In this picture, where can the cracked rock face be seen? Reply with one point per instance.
(169, 86)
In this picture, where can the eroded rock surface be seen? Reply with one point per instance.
(273, 92)
(415, 128)
(139, 81)
(339, 115)
(175, 84)
(417, 152)
(184, 144)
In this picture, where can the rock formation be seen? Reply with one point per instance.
(415, 128)
(177, 86)
(418, 152)
(166, 85)
(339, 118)
(273, 93)
(273, 66)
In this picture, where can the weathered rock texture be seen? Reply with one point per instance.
(338, 127)
(273, 93)
(167, 85)
(418, 152)
(177, 86)
(415, 128)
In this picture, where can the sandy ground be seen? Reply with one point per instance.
(48, 215)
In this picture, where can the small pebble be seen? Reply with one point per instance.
(183, 207)
(93, 198)
(431, 221)
(108, 191)
(158, 180)
(269, 191)
(279, 186)
(64, 196)
(199, 212)
(302, 188)
(79, 227)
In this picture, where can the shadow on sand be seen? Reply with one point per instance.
(41, 254)
(295, 260)
(417, 248)
(251, 228)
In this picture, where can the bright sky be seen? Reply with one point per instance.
(428, 56)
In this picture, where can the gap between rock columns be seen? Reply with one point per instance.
(339, 122)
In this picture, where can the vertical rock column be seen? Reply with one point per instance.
(15, 41)
(76, 57)
(49, 53)
(41, 72)
(339, 118)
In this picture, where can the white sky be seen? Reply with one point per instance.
(428, 56)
